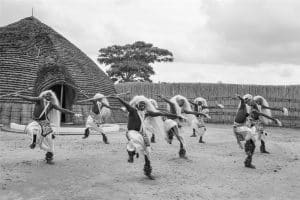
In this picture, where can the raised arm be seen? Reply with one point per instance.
(165, 99)
(241, 99)
(191, 102)
(28, 98)
(171, 104)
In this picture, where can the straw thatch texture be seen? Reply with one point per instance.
(278, 96)
(34, 55)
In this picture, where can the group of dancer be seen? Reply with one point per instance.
(253, 113)
(146, 120)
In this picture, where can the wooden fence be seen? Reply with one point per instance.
(279, 96)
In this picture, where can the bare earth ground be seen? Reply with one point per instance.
(89, 169)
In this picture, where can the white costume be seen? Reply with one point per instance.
(190, 118)
(136, 140)
(199, 125)
(42, 128)
(177, 124)
(94, 121)
(245, 132)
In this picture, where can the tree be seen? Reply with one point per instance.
(131, 62)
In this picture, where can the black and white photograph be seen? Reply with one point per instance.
(149, 99)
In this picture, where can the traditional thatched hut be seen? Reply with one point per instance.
(34, 55)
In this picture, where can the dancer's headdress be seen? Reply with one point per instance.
(204, 103)
(155, 122)
(186, 106)
(261, 101)
(54, 115)
(104, 112)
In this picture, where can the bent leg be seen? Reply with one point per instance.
(48, 145)
(182, 151)
(148, 168)
(104, 138)
(263, 147)
(203, 130)
(249, 149)
(32, 146)
(44, 145)
(194, 133)
(153, 138)
(86, 133)
(100, 130)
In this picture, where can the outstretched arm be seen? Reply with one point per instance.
(102, 104)
(112, 108)
(128, 107)
(271, 108)
(268, 117)
(35, 99)
(218, 106)
(63, 110)
(196, 113)
(156, 114)
(274, 108)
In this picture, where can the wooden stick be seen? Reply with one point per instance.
(96, 99)
(30, 88)
(81, 91)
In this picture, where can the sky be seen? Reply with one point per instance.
(228, 41)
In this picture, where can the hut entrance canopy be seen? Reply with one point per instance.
(54, 76)
(66, 96)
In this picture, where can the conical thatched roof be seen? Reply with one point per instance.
(34, 55)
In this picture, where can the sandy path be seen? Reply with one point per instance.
(89, 169)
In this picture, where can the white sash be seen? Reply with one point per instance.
(45, 109)
(99, 106)
(142, 118)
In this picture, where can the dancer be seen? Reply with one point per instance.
(246, 132)
(180, 106)
(99, 114)
(140, 108)
(151, 128)
(45, 114)
(171, 126)
(260, 104)
(183, 107)
(200, 105)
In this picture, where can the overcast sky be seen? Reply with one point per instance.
(229, 41)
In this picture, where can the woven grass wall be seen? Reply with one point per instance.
(287, 96)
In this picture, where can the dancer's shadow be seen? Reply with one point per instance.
(180, 160)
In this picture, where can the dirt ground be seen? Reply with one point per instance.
(89, 169)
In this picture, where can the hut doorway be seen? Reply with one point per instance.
(66, 97)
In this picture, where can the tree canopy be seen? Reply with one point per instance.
(131, 62)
